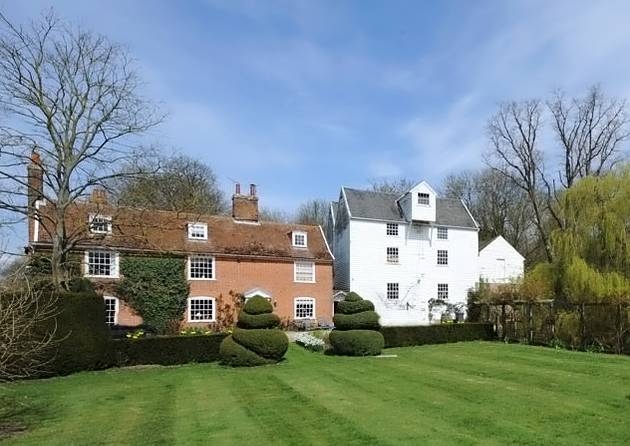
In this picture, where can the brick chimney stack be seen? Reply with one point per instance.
(98, 196)
(245, 207)
(35, 179)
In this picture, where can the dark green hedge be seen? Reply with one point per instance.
(270, 344)
(235, 355)
(356, 342)
(84, 338)
(437, 334)
(266, 320)
(352, 307)
(366, 320)
(167, 350)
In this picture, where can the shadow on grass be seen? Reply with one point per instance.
(17, 413)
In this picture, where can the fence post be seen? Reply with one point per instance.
(530, 328)
(619, 330)
(503, 322)
(552, 312)
(582, 328)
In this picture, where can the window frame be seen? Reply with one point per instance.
(198, 224)
(389, 228)
(295, 235)
(389, 258)
(443, 230)
(107, 219)
(213, 267)
(388, 291)
(114, 268)
(439, 258)
(312, 300)
(295, 263)
(442, 285)
(116, 309)
(423, 195)
(189, 314)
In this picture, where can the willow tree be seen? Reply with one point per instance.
(593, 250)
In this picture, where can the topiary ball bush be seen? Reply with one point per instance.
(266, 320)
(352, 297)
(255, 340)
(357, 342)
(270, 344)
(234, 354)
(351, 307)
(366, 320)
(258, 305)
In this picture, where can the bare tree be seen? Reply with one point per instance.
(498, 205)
(180, 184)
(27, 328)
(514, 137)
(312, 212)
(591, 131)
(276, 215)
(394, 186)
(73, 109)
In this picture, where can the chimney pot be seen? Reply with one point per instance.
(252, 190)
(238, 189)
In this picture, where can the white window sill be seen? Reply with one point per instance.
(90, 276)
(197, 279)
(304, 281)
(201, 321)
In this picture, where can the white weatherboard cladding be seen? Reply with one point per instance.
(421, 212)
(499, 262)
(417, 272)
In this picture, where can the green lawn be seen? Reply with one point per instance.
(468, 393)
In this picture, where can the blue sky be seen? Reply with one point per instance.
(301, 97)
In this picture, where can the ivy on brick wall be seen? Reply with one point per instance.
(156, 288)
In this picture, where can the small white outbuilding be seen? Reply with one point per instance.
(500, 262)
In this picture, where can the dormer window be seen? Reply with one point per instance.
(300, 239)
(100, 224)
(423, 199)
(197, 231)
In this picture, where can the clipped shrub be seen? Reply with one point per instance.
(256, 340)
(366, 320)
(258, 305)
(352, 297)
(234, 354)
(270, 344)
(356, 328)
(167, 350)
(351, 307)
(357, 342)
(437, 334)
(267, 320)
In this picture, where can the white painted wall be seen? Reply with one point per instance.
(420, 212)
(341, 249)
(417, 272)
(499, 262)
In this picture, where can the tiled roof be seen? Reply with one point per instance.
(383, 206)
(166, 232)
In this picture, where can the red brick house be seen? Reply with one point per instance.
(289, 264)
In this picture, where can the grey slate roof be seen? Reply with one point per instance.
(383, 206)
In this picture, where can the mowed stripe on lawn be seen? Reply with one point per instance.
(469, 393)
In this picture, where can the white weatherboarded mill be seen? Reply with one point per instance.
(402, 251)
